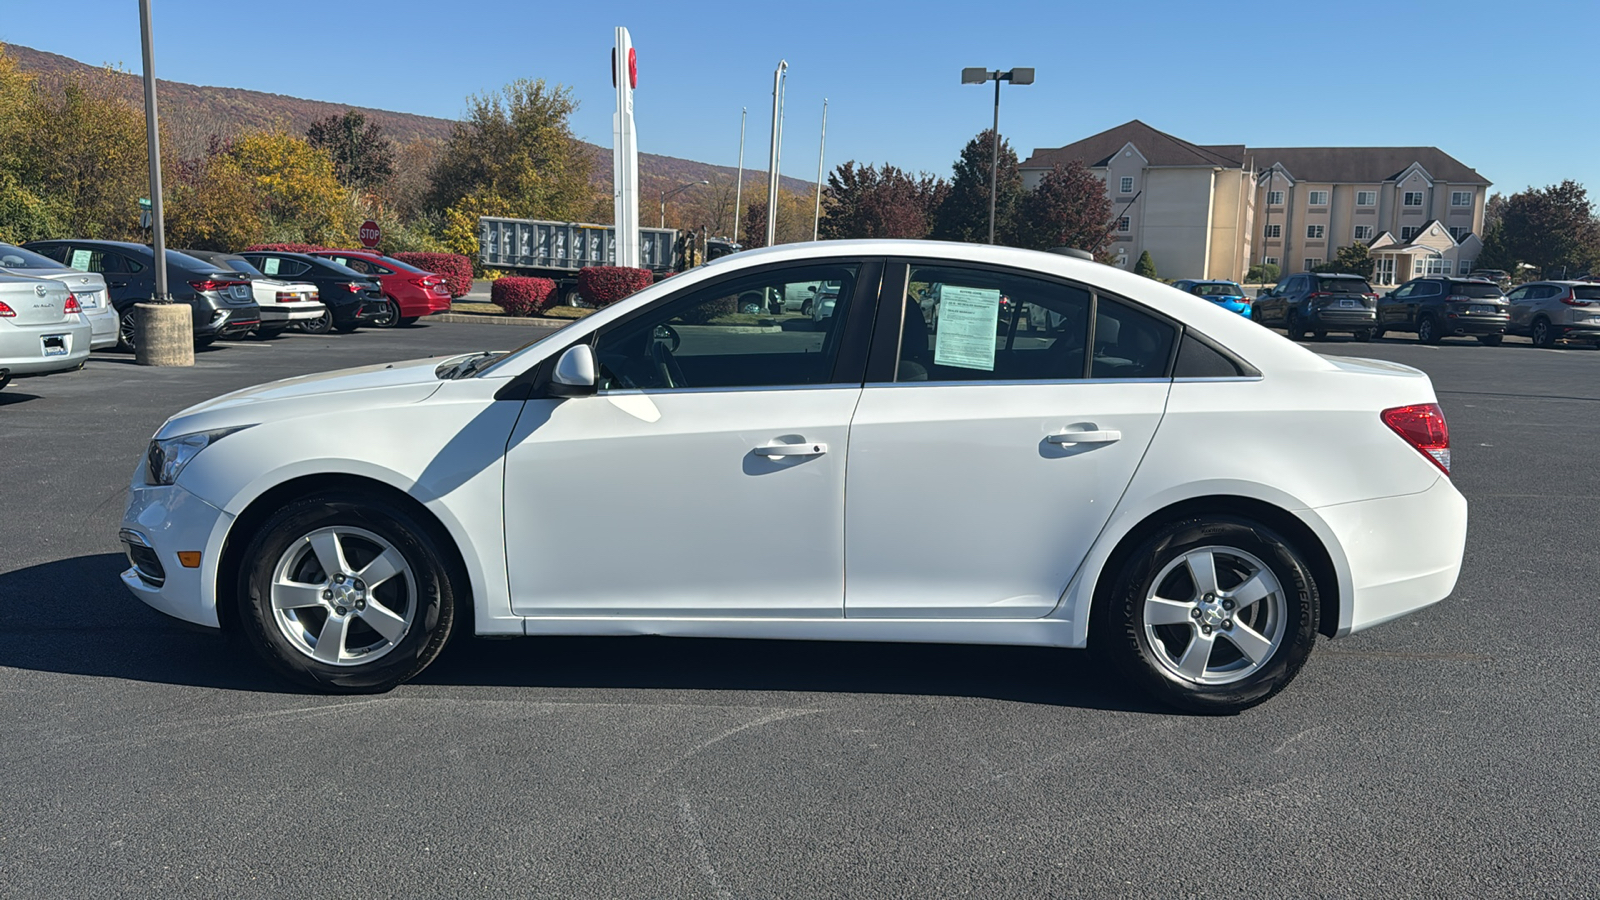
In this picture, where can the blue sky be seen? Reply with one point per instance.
(1501, 91)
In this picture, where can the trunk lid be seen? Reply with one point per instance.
(35, 302)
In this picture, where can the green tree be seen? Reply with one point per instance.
(363, 159)
(1552, 228)
(1353, 259)
(1266, 273)
(964, 211)
(1145, 266)
(515, 147)
(1496, 254)
(1069, 208)
(868, 202)
(301, 199)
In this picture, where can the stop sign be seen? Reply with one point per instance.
(370, 234)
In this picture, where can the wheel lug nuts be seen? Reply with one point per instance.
(1206, 629)
(1195, 613)
(1227, 623)
(1210, 597)
(327, 595)
(1227, 604)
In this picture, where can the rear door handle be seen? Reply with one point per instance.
(777, 450)
(1085, 437)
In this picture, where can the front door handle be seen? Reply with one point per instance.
(776, 450)
(1085, 437)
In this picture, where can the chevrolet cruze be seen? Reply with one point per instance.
(1060, 454)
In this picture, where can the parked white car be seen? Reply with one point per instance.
(88, 287)
(1134, 469)
(42, 329)
(282, 303)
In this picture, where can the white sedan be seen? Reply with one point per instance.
(1098, 461)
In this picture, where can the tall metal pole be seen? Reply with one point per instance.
(777, 142)
(152, 131)
(994, 166)
(816, 210)
(738, 188)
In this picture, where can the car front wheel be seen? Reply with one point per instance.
(388, 314)
(345, 593)
(1428, 331)
(1543, 335)
(1212, 614)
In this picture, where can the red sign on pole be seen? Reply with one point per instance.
(370, 234)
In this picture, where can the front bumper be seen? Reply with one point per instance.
(1404, 553)
(167, 521)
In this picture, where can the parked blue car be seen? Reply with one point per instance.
(1225, 294)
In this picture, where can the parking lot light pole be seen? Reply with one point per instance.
(163, 330)
(677, 190)
(980, 75)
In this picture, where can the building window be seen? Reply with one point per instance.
(1438, 265)
(1317, 198)
(1407, 232)
(1413, 198)
(1274, 198)
(1123, 225)
(1273, 231)
(1459, 232)
(1269, 260)
(1366, 198)
(1312, 262)
(1314, 232)
(1466, 265)
(1460, 198)
(1127, 184)
(1416, 266)
(1363, 233)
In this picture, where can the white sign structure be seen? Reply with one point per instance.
(625, 151)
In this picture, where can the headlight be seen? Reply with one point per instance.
(167, 456)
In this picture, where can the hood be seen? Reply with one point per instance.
(387, 384)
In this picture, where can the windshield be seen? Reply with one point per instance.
(18, 258)
(1476, 290)
(1586, 293)
(1343, 286)
(1217, 289)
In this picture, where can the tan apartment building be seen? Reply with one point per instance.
(1212, 211)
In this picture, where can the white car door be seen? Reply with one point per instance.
(987, 455)
(706, 476)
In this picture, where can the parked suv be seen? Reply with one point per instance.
(1550, 311)
(222, 301)
(1319, 303)
(1437, 307)
(352, 299)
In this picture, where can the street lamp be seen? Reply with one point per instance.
(979, 75)
(677, 190)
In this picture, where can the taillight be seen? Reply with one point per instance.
(6, 312)
(287, 296)
(1571, 299)
(73, 308)
(1316, 295)
(1423, 427)
(354, 287)
(211, 284)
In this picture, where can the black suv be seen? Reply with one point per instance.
(1319, 303)
(353, 299)
(223, 303)
(1437, 307)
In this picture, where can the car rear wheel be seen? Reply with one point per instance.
(573, 297)
(1296, 330)
(1363, 336)
(126, 331)
(1543, 334)
(1428, 331)
(1319, 335)
(1212, 614)
(388, 314)
(1491, 340)
(268, 332)
(345, 593)
(320, 325)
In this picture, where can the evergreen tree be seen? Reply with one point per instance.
(1145, 266)
(363, 159)
(964, 212)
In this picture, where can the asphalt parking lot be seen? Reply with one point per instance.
(1451, 753)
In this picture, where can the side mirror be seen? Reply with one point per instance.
(574, 375)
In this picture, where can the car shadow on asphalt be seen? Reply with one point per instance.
(73, 616)
(12, 398)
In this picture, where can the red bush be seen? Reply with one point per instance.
(522, 296)
(456, 269)
(605, 285)
(285, 248)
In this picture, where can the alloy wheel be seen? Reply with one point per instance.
(1210, 593)
(127, 329)
(343, 596)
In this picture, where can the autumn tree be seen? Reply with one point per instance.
(868, 202)
(1069, 208)
(1552, 227)
(964, 211)
(363, 159)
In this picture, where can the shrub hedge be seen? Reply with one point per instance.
(456, 269)
(605, 285)
(522, 296)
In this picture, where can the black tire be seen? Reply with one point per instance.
(423, 596)
(1362, 336)
(127, 328)
(1491, 340)
(269, 332)
(1542, 333)
(1428, 330)
(1289, 615)
(805, 308)
(1292, 325)
(320, 325)
(200, 343)
(347, 327)
(1319, 335)
(408, 321)
(574, 297)
(1377, 334)
(387, 316)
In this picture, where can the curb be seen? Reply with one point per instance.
(470, 319)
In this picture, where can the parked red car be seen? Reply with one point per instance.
(411, 292)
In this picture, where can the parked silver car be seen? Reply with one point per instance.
(88, 287)
(41, 327)
(1550, 311)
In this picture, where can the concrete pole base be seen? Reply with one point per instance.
(163, 334)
